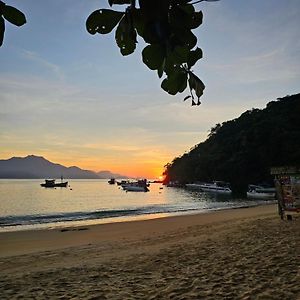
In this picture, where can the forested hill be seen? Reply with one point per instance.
(243, 150)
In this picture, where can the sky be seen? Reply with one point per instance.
(72, 98)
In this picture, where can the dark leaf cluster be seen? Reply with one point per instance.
(12, 15)
(167, 28)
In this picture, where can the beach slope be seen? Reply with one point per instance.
(232, 254)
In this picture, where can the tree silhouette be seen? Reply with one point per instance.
(166, 26)
(12, 15)
(243, 150)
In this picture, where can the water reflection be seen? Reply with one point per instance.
(25, 202)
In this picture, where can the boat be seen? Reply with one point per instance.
(50, 183)
(215, 187)
(112, 181)
(174, 184)
(137, 186)
(260, 192)
(122, 182)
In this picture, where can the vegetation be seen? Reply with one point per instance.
(12, 15)
(166, 28)
(243, 150)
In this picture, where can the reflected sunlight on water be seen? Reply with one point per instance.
(25, 204)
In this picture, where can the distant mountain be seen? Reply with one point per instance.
(33, 166)
(108, 174)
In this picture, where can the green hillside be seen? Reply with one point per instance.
(243, 150)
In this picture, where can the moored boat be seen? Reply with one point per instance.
(50, 183)
(174, 184)
(215, 187)
(112, 181)
(137, 186)
(260, 192)
(122, 182)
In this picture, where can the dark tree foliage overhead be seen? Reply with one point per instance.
(12, 15)
(243, 150)
(166, 26)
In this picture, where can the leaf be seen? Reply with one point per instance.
(188, 8)
(2, 4)
(194, 56)
(13, 15)
(184, 16)
(153, 56)
(196, 84)
(187, 97)
(175, 82)
(196, 20)
(167, 86)
(178, 17)
(160, 70)
(138, 20)
(183, 37)
(103, 21)
(180, 54)
(126, 36)
(2, 30)
(155, 32)
(181, 2)
(111, 2)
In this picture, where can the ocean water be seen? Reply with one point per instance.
(24, 204)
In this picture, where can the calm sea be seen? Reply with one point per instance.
(24, 204)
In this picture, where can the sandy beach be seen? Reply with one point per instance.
(244, 253)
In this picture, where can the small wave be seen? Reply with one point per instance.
(35, 219)
(81, 216)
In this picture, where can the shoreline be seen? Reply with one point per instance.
(240, 254)
(128, 218)
(36, 240)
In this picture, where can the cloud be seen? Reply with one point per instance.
(53, 68)
(250, 46)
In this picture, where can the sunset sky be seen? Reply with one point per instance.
(72, 98)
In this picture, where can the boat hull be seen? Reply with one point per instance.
(256, 195)
(260, 192)
(135, 188)
(209, 188)
(53, 185)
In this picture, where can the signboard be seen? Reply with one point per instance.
(287, 182)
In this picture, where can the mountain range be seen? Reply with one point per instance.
(32, 166)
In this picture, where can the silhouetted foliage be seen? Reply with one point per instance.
(166, 26)
(12, 15)
(243, 150)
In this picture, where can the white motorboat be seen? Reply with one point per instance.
(260, 192)
(135, 188)
(215, 187)
(138, 186)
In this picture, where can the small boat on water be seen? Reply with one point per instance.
(260, 192)
(137, 186)
(174, 184)
(112, 181)
(50, 183)
(215, 187)
(122, 182)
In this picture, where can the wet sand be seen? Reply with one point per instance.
(244, 253)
